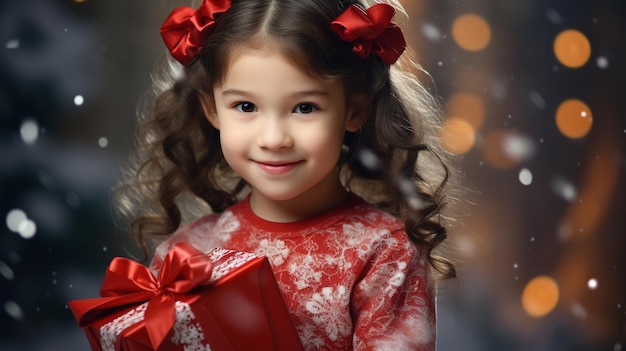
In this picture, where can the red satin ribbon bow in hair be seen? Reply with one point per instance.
(371, 31)
(185, 29)
(127, 282)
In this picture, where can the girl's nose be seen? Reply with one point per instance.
(274, 134)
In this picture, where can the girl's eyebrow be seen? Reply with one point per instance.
(313, 92)
(304, 93)
(235, 92)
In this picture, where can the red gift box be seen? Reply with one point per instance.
(223, 300)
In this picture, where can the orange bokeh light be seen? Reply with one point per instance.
(495, 150)
(540, 296)
(457, 136)
(471, 32)
(572, 48)
(468, 106)
(574, 118)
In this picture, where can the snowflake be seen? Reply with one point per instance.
(397, 276)
(373, 216)
(326, 311)
(342, 262)
(413, 332)
(305, 271)
(386, 280)
(386, 238)
(311, 340)
(227, 224)
(354, 233)
(275, 250)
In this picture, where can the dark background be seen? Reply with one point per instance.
(508, 233)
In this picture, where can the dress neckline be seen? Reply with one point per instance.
(331, 216)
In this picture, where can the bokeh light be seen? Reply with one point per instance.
(471, 32)
(18, 222)
(525, 176)
(468, 106)
(602, 62)
(592, 283)
(564, 189)
(457, 136)
(503, 149)
(14, 310)
(103, 142)
(540, 296)
(572, 48)
(79, 100)
(574, 118)
(29, 131)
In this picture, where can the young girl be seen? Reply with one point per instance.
(300, 138)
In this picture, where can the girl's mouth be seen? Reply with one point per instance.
(277, 167)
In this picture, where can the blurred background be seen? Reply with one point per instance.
(535, 101)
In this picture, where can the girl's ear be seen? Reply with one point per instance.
(208, 107)
(357, 113)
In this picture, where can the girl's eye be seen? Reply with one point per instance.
(305, 108)
(245, 107)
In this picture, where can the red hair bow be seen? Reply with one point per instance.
(185, 29)
(371, 31)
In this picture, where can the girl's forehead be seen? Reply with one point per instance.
(271, 50)
(265, 48)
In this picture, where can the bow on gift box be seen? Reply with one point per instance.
(127, 282)
(371, 30)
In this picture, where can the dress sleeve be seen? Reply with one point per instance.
(393, 305)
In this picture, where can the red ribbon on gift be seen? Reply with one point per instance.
(129, 282)
(185, 29)
(371, 30)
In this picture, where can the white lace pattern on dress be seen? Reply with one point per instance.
(351, 281)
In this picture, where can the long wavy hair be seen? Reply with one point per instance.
(178, 171)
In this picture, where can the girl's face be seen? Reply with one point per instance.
(282, 130)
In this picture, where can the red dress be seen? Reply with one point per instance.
(350, 278)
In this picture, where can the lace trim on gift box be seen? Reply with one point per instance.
(227, 260)
(110, 331)
(187, 332)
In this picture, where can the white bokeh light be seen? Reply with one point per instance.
(519, 147)
(6, 271)
(29, 131)
(103, 142)
(18, 222)
(79, 100)
(564, 188)
(12, 44)
(27, 229)
(14, 219)
(13, 310)
(525, 176)
(602, 62)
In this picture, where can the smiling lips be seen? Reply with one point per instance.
(277, 167)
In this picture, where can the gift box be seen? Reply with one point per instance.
(223, 300)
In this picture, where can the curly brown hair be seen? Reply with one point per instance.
(394, 161)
